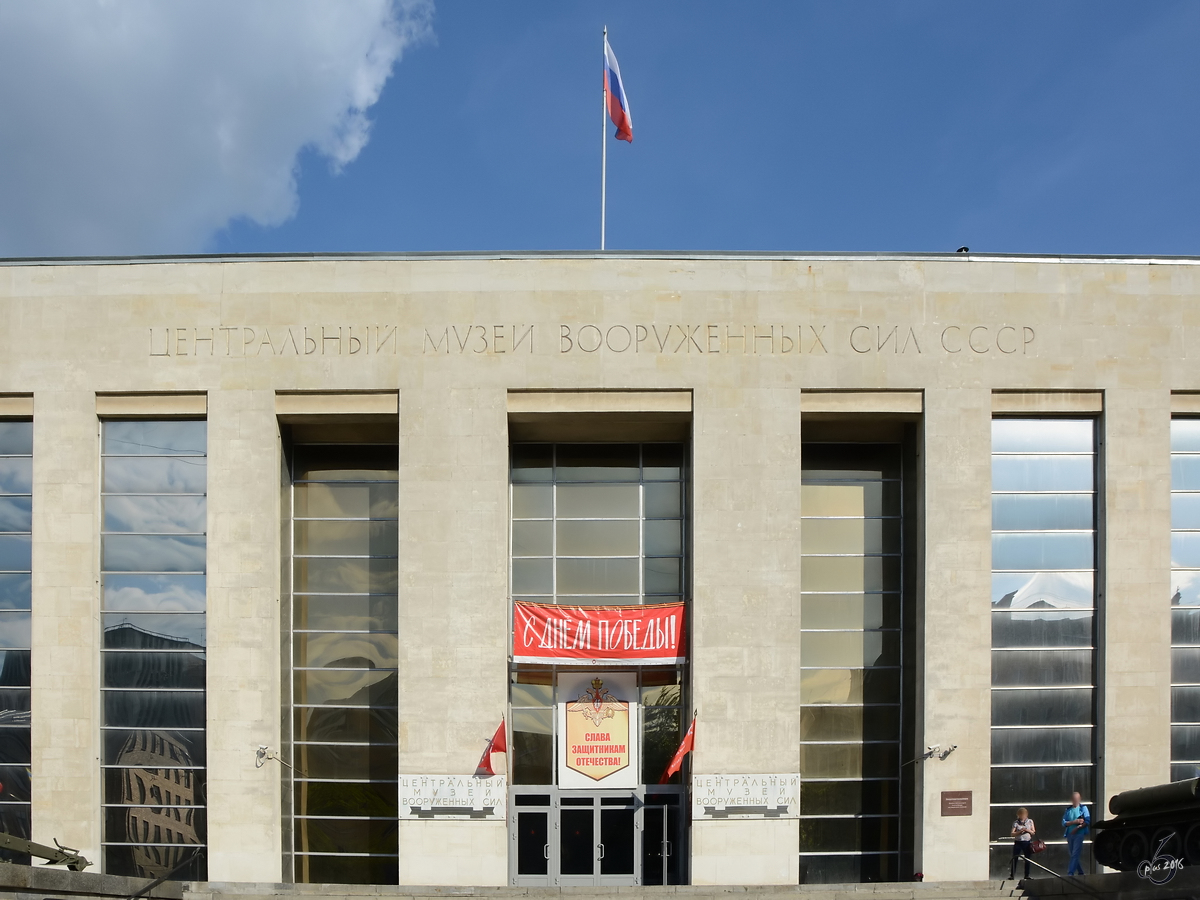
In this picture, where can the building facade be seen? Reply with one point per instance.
(898, 543)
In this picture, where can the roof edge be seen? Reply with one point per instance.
(681, 255)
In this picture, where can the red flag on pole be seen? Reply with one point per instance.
(688, 745)
(497, 744)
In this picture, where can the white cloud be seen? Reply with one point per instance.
(143, 126)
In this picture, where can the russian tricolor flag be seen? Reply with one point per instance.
(614, 92)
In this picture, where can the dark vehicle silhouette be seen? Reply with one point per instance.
(1151, 824)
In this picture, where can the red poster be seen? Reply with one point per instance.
(546, 633)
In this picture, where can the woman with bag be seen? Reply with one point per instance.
(1023, 831)
(1076, 822)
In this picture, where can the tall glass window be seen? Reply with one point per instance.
(16, 523)
(1185, 599)
(153, 548)
(344, 657)
(850, 680)
(597, 524)
(1043, 604)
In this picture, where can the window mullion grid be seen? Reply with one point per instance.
(149, 860)
(883, 553)
(1033, 651)
(289, 777)
(554, 522)
(1185, 673)
(301, 855)
(641, 524)
(15, 814)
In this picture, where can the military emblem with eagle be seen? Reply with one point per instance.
(597, 732)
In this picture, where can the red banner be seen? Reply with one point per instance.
(545, 633)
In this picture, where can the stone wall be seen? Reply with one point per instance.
(453, 337)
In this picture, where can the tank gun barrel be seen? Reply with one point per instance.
(1159, 798)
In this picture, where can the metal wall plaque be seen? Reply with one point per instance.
(745, 796)
(956, 803)
(457, 797)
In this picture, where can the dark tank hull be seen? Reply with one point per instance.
(1153, 828)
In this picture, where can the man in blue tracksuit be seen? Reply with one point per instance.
(1077, 821)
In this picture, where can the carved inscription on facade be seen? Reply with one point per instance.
(765, 339)
(275, 340)
(574, 339)
(672, 338)
(494, 339)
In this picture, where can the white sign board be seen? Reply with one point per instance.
(745, 796)
(457, 797)
(598, 730)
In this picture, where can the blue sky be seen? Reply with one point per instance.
(1052, 127)
(1026, 127)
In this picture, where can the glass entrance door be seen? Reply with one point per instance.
(532, 836)
(618, 838)
(662, 861)
(578, 851)
(594, 838)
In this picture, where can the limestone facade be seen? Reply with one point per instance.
(757, 341)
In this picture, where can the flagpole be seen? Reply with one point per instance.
(603, 143)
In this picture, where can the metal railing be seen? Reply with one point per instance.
(1070, 879)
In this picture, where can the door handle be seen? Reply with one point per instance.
(666, 848)
(546, 851)
(600, 847)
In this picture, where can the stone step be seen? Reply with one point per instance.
(945, 890)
